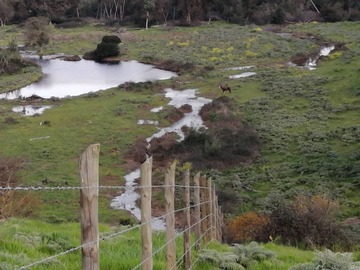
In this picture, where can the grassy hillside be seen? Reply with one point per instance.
(307, 120)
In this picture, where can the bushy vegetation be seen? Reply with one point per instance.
(305, 221)
(11, 61)
(15, 203)
(227, 142)
(108, 47)
(239, 257)
(328, 260)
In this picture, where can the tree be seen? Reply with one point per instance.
(149, 6)
(162, 10)
(37, 31)
(192, 9)
(6, 11)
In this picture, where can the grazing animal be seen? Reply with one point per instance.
(225, 88)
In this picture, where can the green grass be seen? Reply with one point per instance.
(25, 241)
(75, 124)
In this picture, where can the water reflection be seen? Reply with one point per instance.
(242, 75)
(30, 110)
(67, 78)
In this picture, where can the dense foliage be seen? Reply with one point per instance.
(108, 47)
(184, 11)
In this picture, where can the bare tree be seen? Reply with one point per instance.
(162, 10)
(6, 11)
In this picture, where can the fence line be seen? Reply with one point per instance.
(40, 188)
(162, 247)
(103, 237)
(206, 214)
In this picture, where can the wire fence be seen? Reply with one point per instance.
(206, 216)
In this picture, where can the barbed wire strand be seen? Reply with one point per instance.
(150, 221)
(163, 246)
(57, 255)
(39, 188)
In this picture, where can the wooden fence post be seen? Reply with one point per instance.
(215, 215)
(187, 222)
(170, 216)
(203, 208)
(146, 232)
(209, 209)
(89, 174)
(219, 223)
(197, 214)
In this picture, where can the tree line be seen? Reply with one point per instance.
(184, 12)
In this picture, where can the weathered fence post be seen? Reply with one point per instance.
(146, 232)
(197, 214)
(187, 222)
(219, 222)
(89, 193)
(215, 215)
(170, 216)
(209, 209)
(203, 208)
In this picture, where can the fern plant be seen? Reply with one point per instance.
(241, 257)
(328, 260)
(251, 254)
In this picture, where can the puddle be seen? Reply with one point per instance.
(242, 75)
(239, 68)
(127, 200)
(147, 122)
(67, 78)
(30, 110)
(158, 109)
(39, 138)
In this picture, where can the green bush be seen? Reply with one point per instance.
(328, 260)
(241, 257)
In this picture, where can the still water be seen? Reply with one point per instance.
(66, 78)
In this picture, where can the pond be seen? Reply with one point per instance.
(73, 78)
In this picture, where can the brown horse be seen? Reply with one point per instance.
(225, 88)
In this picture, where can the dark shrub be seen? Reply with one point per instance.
(306, 220)
(104, 50)
(111, 39)
(107, 48)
